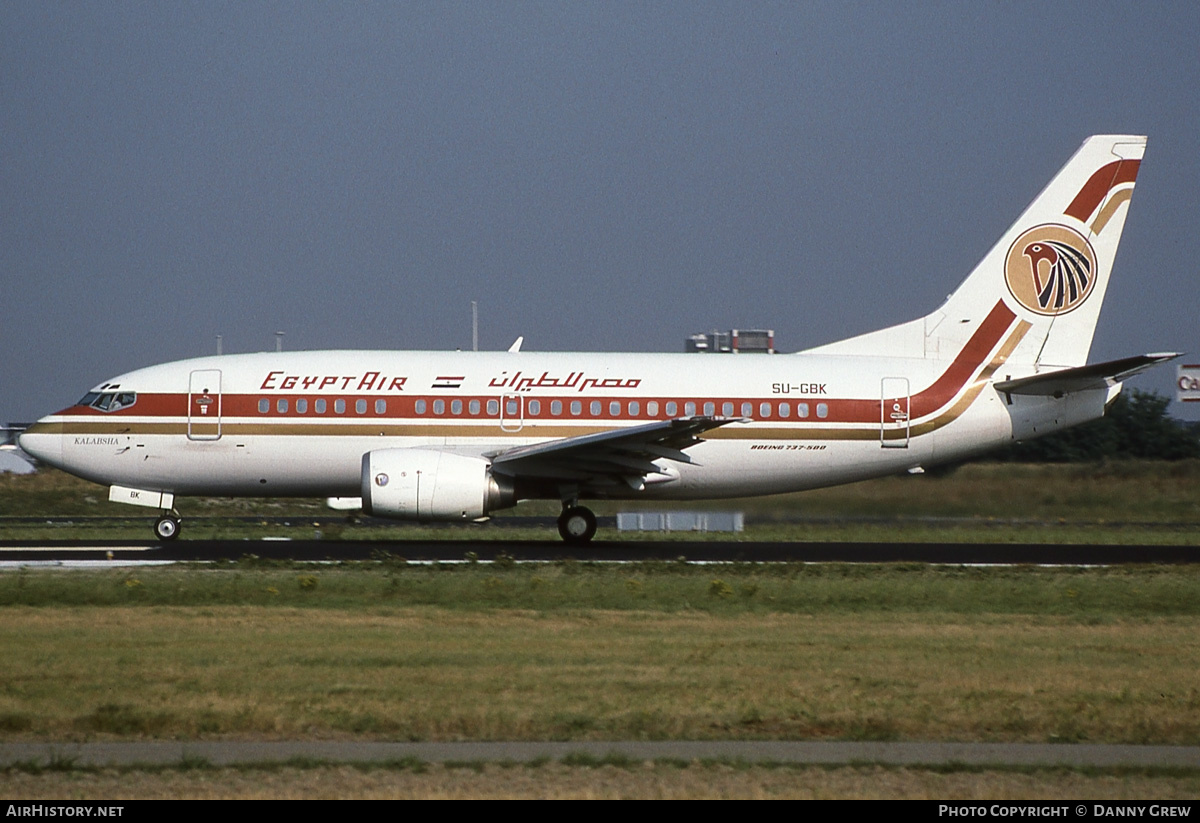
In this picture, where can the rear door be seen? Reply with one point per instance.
(894, 413)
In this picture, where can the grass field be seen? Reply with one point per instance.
(575, 651)
(572, 651)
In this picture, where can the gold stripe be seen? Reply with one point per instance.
(958, 409)
(1006, 350)
(1110, 208)
(45, 428)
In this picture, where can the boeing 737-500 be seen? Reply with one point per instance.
(457, 435)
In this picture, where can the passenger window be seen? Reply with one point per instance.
(360, 406)
(535, 407)
(474, 407)
(689, 408)
(594, 407)
(764, 409)
(319, 405)
(747, 409)
(614, 408)
(420, 406)
(301, 406)
(439, 406)
(380, 406)
(556, 407)
(671, 408)
(576, 408)
(264, 406)
(652, 408)
(281, 405)
(802, 410)
(493, 408)
(785, 409)
(339, 406)
(727, 408)
(710, 408)
(456, 407)
(822, 410)
(634, 408)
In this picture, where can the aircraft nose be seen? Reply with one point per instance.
(43, 441)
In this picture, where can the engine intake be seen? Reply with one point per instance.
(425, 484)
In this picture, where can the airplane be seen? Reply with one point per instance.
(435, 436)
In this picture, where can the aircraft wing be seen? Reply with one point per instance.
(1083, 378)
(619, 455)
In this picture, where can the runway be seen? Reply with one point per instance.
(49, 551)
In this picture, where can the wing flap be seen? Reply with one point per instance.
(626, 454)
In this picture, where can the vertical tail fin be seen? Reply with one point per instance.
(1051, 268)
(1047, 274)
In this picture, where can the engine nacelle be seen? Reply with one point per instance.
(425, 484)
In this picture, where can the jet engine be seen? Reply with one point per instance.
(425, 484)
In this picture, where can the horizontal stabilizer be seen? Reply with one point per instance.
(1083, 378)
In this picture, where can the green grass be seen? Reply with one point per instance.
(666, 587)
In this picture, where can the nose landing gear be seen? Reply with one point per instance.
(167, 526)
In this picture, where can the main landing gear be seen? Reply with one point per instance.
(167, 526)
(576, 524)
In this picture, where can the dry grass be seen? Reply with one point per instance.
(434, 674)
(557, 781)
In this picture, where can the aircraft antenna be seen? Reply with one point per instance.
(474, 325)
(218, 345)
(278, 341)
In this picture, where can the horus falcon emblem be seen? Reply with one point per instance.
(1068, 273)
(1051, 269)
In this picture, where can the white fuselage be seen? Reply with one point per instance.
(299, 423)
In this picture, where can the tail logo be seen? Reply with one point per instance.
(1051, 269)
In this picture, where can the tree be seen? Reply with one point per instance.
(1136, 426)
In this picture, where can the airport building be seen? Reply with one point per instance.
(734, 341)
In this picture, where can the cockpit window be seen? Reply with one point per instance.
(108, 401)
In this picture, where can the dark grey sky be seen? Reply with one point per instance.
(599, 176)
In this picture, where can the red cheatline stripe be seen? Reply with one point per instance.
(1100, 184)
(841, 410)
(953, 379)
